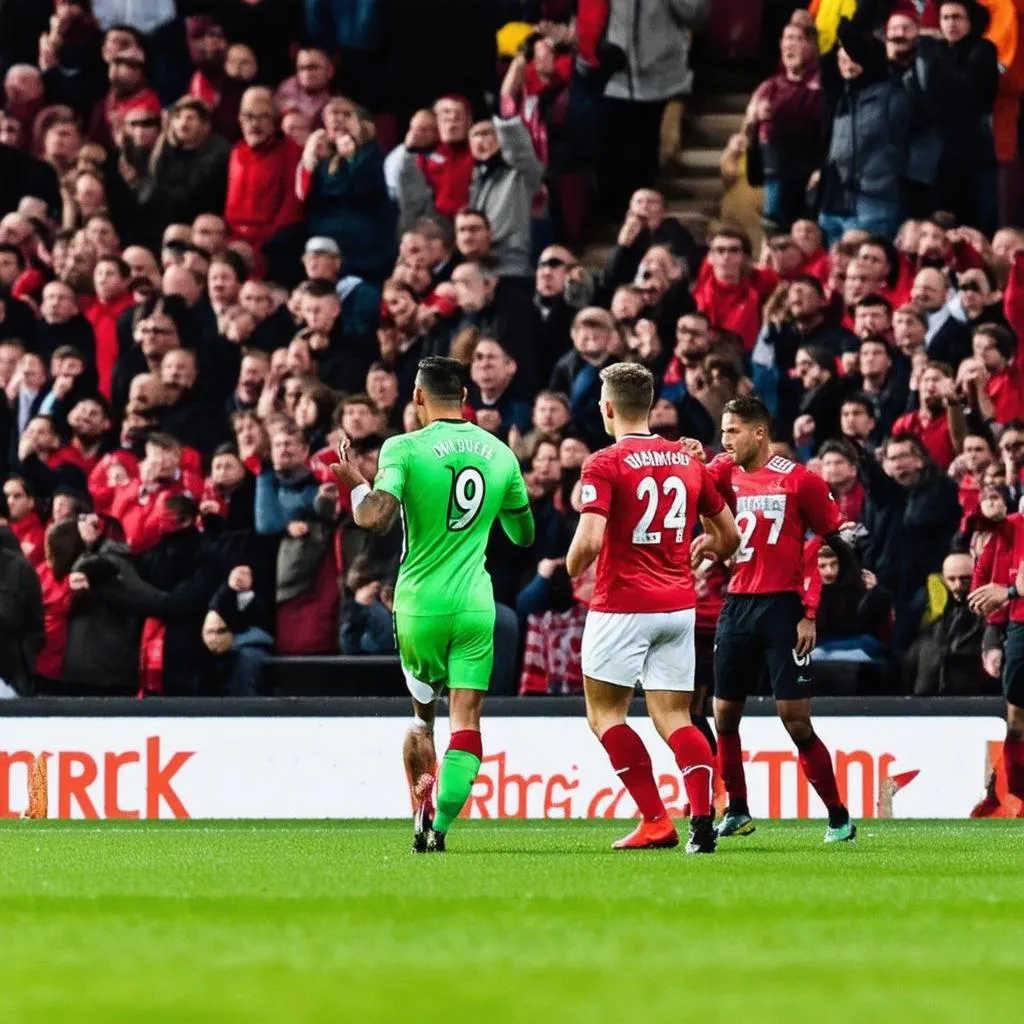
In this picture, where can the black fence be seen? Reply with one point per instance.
(496, 707)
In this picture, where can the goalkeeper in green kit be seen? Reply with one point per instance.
(450, 480)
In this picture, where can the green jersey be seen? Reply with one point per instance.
(452, 480)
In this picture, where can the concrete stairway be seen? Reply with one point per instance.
(692, 185)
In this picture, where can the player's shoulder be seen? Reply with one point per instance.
(781, 466)
(600, 460)
(396, 445)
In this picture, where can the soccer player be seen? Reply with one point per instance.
(450, 480)
(764, 621)
(640, 502)
(989, 598)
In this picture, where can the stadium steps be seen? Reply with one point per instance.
(691, 182)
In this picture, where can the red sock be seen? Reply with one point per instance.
(468, 740)
(695, 760)
(816, 762)
(632, 764)
(730, 765)
(1013, 762)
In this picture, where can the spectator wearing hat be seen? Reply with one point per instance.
(261, 197)
(967, 184)
(128, 91)
(360, 301)
(346, 197)
(871, 116)
(188, 172)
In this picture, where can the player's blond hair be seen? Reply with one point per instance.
(630, 388)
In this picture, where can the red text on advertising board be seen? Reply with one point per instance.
(94, 785)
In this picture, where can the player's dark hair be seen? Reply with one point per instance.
(750, 409)
(631, 388)
(442, 378)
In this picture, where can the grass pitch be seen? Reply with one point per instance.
(521, 921)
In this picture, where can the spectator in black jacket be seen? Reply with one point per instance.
(911, 515)
(647, 224)
(967, 184)
(188, 173)
(21, 617)
(233, 634)
(188, 414)
(853, 614)
(562, 287)
(945, 659)
(367, 623)
(884, 376)
(577, 373)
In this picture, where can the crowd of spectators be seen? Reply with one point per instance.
(229, 231)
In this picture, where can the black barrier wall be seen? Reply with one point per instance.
(497, 707)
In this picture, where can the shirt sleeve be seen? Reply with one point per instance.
(720, 471)
(516, 499)
(596, 487)
(710, 501)
(391, 468)
(819, 508)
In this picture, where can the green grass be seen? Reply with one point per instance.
(521, 921)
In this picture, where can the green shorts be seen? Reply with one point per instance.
(455, 650)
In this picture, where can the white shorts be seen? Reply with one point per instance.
(654, 649)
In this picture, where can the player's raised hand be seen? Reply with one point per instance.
(806, 638)
(344, 470)
(693, 448)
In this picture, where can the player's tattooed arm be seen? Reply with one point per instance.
(376, 512)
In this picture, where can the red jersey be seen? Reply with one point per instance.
(934, 435)
(1000, 561)
(776, 506)
(651, 493)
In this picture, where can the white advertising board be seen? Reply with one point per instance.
(303, 768)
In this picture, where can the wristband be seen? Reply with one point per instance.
(1011, 593)
(359, 493)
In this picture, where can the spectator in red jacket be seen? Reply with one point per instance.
(129, 90)
(729, 291)
(939, 421)
(23, 519)
(139, 504)
(63, 546)
(995, 374)
(262, 197)
(110, 278)
(839, 469)
(446, 169)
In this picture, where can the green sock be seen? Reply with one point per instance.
(458, 772)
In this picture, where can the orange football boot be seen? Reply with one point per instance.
(650, 835)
